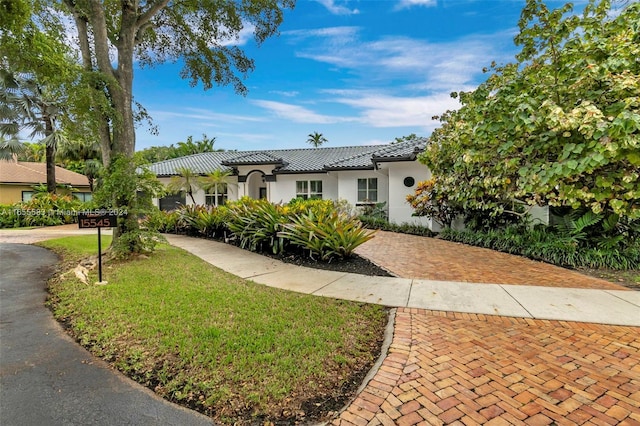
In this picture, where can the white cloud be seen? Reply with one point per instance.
(288, 94)
(335, 35)
(245, 34)
(211, 118)
(382, 110)
(297, 113)
(406, 4)
(337, 9)
(442, 66)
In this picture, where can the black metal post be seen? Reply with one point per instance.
(99, 256)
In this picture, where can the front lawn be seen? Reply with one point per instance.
(230, 348)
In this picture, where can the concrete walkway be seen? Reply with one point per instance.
(614, 307)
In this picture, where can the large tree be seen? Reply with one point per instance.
(112, 34)
(561, 126)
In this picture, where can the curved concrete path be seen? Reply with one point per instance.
(606, 306)
(48, 379)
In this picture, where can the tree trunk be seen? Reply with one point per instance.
(51, 157)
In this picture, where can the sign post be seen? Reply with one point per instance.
(97, 219)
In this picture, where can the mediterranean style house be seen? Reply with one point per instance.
(361, 175)
(18, 178)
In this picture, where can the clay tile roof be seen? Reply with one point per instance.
(29, 173)
(251, 158)
(406, 150)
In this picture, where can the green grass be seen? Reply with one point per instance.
(73, 248)
(212, 341)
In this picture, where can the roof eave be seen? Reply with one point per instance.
(355, 168)
(298, 172)
(411, 157)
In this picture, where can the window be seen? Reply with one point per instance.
(309, 189)
(368, 190)
(27, 195)
(83, 196)
(217, 195)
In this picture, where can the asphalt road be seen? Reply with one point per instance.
(45, 377)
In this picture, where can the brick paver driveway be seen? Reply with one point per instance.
(412, 256)
(467, 369)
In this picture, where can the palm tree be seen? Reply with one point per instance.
(10, 148)
(216, 181)
(24, 105)
(186, 182)
(316, 139)
(190, 147)
(85, 155)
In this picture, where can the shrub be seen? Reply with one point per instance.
(44, 209)
(212, 221)
(186, 219)
(256, 224)
(161, 221)
(549, 245)
(373, 222)
(322, 228)
(329, 235)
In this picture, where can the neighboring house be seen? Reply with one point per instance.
(361, 175)
(17, 179)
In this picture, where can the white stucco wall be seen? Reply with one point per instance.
(348, 185)
(400, 210)
(284, 188)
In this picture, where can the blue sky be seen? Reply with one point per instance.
(358, 71)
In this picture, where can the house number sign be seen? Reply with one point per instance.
(98, 219)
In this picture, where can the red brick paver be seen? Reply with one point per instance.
(413, 256)
(466, 369)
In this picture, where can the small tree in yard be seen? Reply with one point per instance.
(428, 202)
(187, 181)
(561, 126)
(216, 182)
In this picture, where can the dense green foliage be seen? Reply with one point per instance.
(44, 209)
(257, 224)
(154, 154)
(319, 228)
(325, 234)
(561, 126)
(579, 239)
(127, 184)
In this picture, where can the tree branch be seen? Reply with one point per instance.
(154, 8)
(83, 34)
